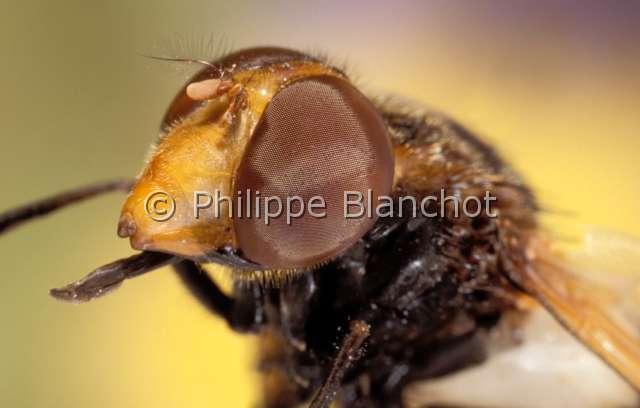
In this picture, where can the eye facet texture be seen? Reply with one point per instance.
(318, 137)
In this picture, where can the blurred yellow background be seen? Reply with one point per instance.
(555, 85)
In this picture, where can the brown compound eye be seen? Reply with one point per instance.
(318, 137)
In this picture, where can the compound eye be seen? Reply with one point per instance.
(318, 137)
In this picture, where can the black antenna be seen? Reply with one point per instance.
(187, 60)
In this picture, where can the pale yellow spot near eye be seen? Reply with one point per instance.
(203, 90)
(220, 173)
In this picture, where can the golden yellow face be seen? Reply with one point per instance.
(261, 123)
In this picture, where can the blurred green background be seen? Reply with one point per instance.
(555, 85)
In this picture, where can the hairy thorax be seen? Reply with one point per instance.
(433, 289)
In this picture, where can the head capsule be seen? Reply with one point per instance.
(269, 125)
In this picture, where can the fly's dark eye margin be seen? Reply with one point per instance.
(318, 136)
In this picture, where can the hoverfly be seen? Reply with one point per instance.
(365, 312)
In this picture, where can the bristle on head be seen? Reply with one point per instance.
(273, 278)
